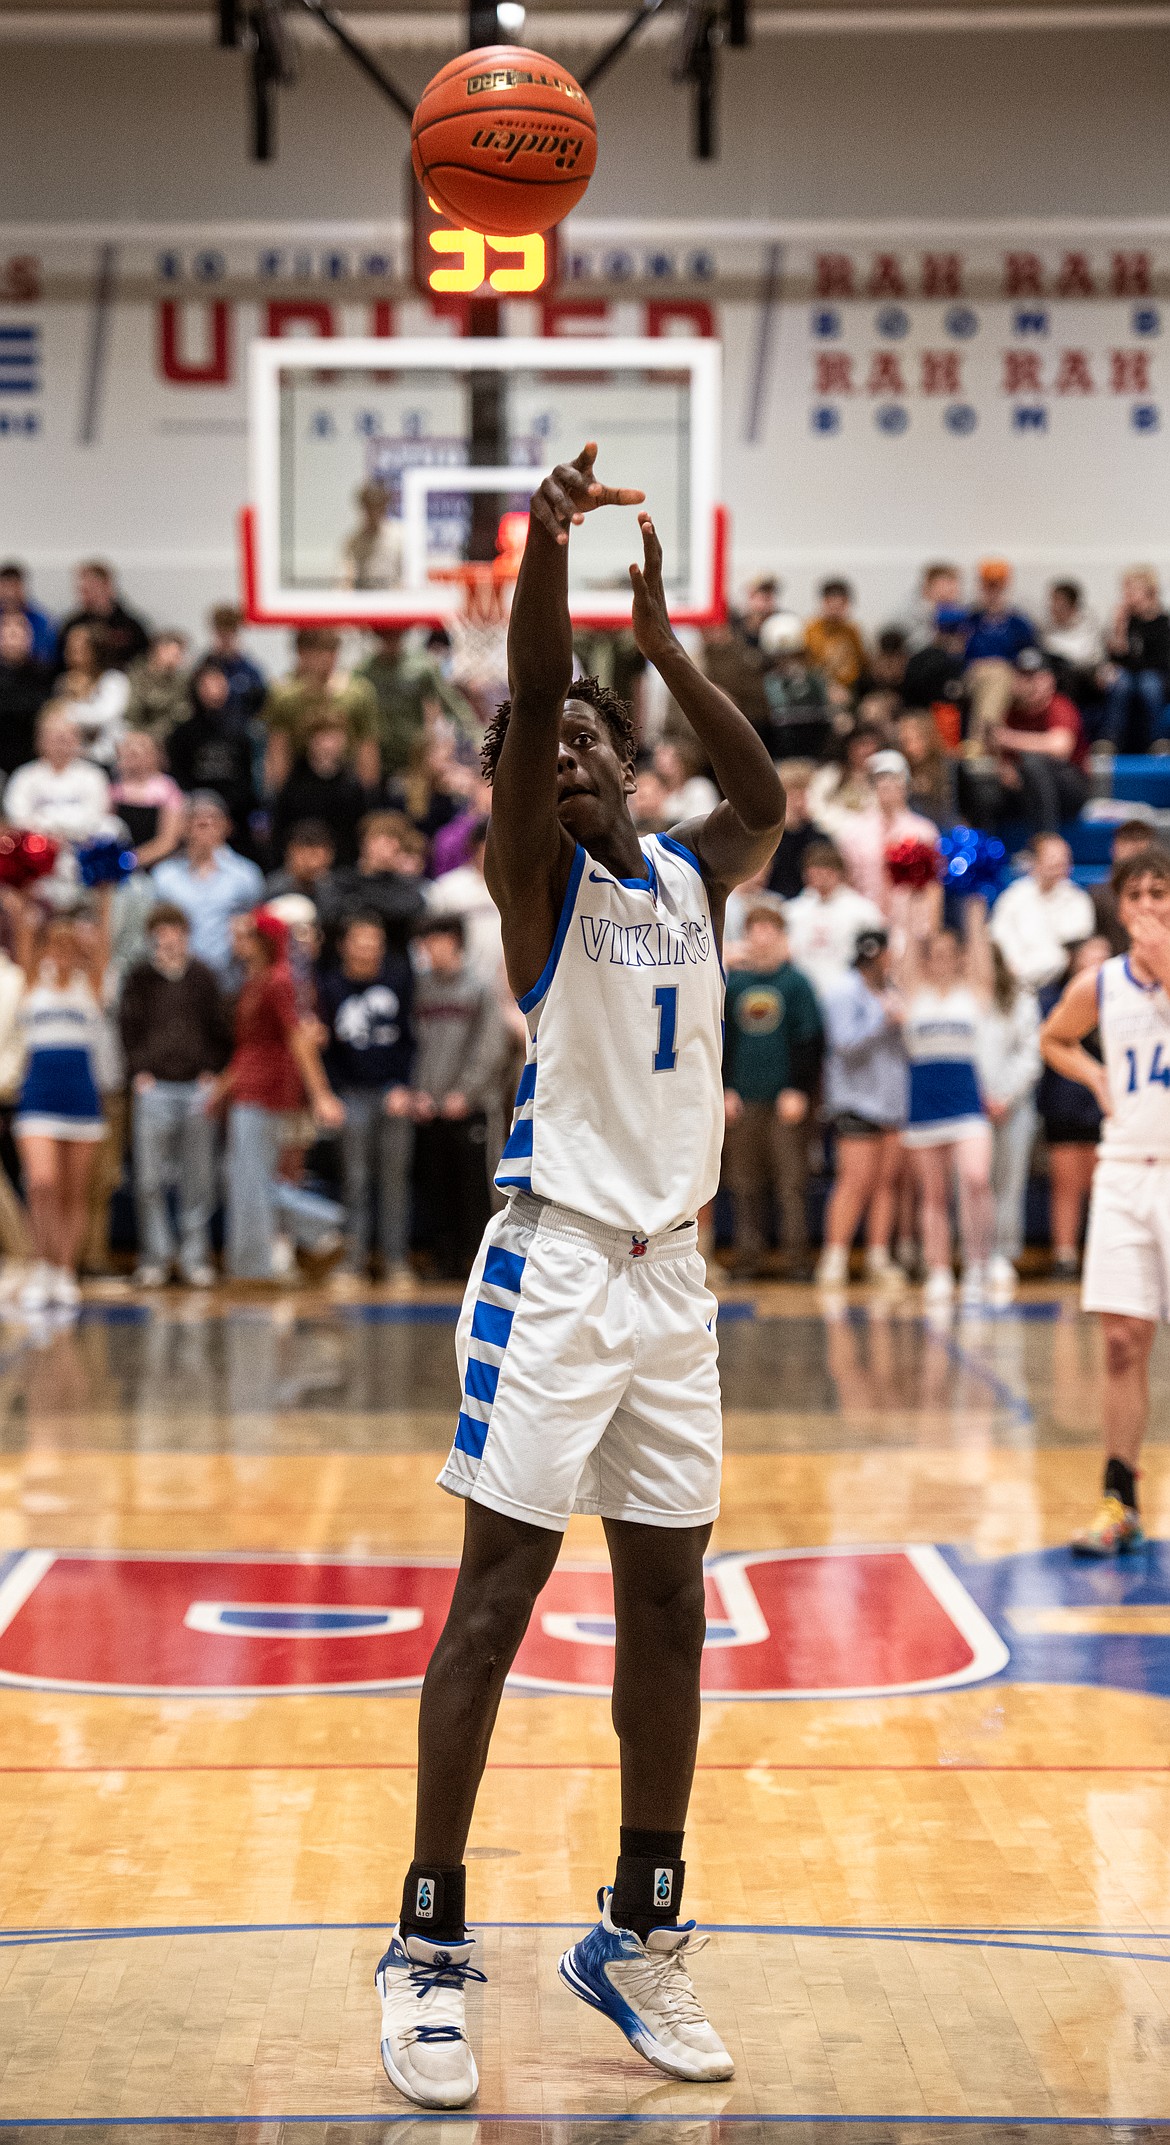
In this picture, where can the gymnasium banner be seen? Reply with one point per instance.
(890, 395)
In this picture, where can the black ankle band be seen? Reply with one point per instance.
(1121, 1481)
(664, 1846)
(647, 1892)
(434, 1903)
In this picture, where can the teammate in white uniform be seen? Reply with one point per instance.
(586, 1344)
(1127, 1254)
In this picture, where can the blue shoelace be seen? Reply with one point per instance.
(427, 1975)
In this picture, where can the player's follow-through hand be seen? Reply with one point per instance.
(572, 491)
(652, 628)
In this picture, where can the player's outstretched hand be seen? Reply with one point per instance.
(572, 491)
(652, 628)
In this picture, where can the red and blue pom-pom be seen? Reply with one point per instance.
(973, 862)
(106, 860)
(912, 863)
(25, 856)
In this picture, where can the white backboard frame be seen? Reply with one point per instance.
(268, 602)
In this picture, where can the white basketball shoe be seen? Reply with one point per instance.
(425, 2049)
(645, 1988)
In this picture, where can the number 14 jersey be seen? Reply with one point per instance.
(619, 1112)
(1134, 1026)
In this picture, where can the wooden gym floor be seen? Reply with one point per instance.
(931, 1826)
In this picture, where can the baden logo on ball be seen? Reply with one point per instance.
(504, 141)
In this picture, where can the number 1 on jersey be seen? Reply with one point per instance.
(666, 1002)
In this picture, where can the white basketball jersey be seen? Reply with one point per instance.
(1134, 1026)
(619, 1112)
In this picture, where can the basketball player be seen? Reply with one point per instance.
(1127, 1253)
(586, 1344)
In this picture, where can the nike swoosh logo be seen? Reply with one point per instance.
(600, 878)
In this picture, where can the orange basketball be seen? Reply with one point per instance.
(504, 141)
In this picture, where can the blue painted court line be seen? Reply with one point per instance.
(1116, 1944)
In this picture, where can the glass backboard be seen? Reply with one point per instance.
(380, 469)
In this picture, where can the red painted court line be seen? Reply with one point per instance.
(567, 1765)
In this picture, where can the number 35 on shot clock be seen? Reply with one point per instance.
(451, 261)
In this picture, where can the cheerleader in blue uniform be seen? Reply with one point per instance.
(59, 1124)
(947, 986)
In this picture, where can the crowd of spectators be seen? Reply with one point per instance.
(306, 1039)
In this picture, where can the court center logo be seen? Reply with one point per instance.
(845, 1622)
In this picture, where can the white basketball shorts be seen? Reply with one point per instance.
(589, 1373)
(1127, 1249)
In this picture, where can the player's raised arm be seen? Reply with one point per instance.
(528, 852)
(742, 832)
(1075, 1016)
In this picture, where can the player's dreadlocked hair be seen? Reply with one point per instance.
(614, 713)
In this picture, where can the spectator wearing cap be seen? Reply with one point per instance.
(304, 943)
(935, 670)
(15, 599)
(365, 1006)
(867, 1089)
(176, 1037)
(825, 918)
(1041, 748)
(274, 1067)
(210, 883)
(1039, 917)
(322, 785)
(771, 1066)
(308, 860)
(1138, 677)
(834, 641)
(799, 717)
(733, 657)
(99, 605)
(247, 684)
(317, 686)
(866, 838)
(996, 636)
(26, 682)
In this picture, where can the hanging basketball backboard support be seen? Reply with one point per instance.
(396, 419)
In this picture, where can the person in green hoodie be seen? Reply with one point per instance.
(773, 1043)
(410, 689)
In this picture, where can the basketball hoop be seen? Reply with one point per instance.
(479, 633)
